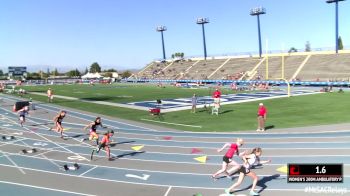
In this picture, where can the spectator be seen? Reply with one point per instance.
(216, 96)
(50, 95)
(194, 103)
(262, 112)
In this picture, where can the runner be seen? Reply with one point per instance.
(227, 159)
(22, 114)
(104, 144)
(249, 160)
(93, 127)
(58, 122)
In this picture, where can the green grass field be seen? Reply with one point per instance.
(318, 109)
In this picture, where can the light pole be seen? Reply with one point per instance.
(257, 12)
(161, 29)
(203, 21)
(336, 23)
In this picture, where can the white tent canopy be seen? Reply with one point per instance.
(91, 75)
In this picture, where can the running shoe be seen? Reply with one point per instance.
(253, 193)
(227, 191)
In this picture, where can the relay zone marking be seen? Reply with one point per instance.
(170, 105)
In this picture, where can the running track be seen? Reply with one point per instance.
(165, 166)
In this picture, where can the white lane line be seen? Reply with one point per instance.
(208, 142)
(146, 184)
(159, 161)
(143, 128)
(86, 144)
(42, 154)
(88, 171)
(210, 137)
(143, 177)
(188, 154)
(45, 188)
(195, 126)
(205, 133)
(167, 192)
(20, 169)
(51, 141)
(149, 171)
(12, 142)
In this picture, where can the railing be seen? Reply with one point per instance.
(271, 82)
(253, 53)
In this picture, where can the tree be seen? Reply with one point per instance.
(86, 70)
(307, 47)
(44, 75)
(110, 70)
(33, 75)
(73, 73)
(292, 49)
(55, 72)
(178, 55)
(1, 73)
(340, 43)
(108, 74)
(95, 67)
(126, 74)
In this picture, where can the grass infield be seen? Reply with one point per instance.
(317, 109)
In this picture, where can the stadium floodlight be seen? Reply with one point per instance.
(336, 23)
(257, 12)
(161, 29)
(203, 21)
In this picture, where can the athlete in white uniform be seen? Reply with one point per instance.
(249, 160)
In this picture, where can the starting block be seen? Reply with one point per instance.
(73, 167)
(8, 137)
(31, 151)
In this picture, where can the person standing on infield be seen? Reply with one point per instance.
(216, 96)
(194, 103)
(262, 112)
(50, 95)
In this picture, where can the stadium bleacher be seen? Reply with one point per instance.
(305, 66)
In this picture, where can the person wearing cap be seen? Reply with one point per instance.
(262, 112)
(216, 96)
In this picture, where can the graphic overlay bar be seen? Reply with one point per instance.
(314, 173)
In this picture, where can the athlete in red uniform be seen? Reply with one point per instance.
(250, 159)
(104, 144)
(227, 159)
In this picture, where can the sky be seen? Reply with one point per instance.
(120, 34)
